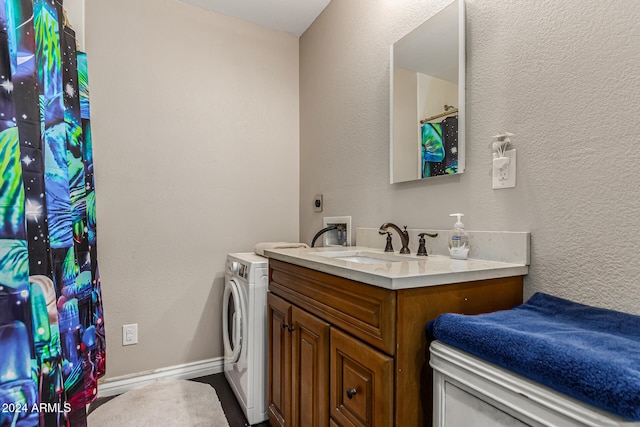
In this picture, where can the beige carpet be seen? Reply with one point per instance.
(163, 403)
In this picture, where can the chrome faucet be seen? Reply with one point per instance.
(404, 235)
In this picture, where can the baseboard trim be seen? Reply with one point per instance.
(119, 385)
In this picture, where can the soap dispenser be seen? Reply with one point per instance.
(459, 240)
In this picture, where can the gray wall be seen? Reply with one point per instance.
(562, 75)
(196, 136)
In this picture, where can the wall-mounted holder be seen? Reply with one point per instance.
(504, 162)
(340, 236)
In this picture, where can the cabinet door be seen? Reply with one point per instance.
(279, 354)
(361, 383)
(310, 370)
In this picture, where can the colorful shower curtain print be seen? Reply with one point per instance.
(439, 148)
(52, 341)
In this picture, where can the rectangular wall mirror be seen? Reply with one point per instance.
(427, 98)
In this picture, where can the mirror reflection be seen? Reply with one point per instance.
(427, 98)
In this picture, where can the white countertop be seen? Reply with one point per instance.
(416, 272)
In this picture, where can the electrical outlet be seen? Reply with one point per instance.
(504, 170)
(317, 203)
(130, 334)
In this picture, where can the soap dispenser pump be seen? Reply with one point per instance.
(459, 239)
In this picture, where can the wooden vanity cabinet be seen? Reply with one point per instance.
(345, 353)
(298, 374)
(279, 357)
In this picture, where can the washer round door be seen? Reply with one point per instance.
(233, 322)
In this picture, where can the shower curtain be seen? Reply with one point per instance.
(52, 343)
(439, 148)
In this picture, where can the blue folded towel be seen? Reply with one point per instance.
(591, 354)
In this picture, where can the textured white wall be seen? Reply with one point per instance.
(563, 76)
(196, 136)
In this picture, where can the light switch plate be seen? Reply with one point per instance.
(504, 172)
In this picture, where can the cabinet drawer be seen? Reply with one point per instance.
(364, 311)
(361, 383)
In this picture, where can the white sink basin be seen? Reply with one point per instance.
(363, 257)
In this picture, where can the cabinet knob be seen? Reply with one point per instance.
(351, 392)
(287, 327)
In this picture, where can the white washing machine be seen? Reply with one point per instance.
(244, 332)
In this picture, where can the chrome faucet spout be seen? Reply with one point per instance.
(404, 235)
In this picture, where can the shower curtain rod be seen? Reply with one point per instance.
(437, 116)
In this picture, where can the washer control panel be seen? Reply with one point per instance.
(237, 268)
(243, 271)
(244, 265)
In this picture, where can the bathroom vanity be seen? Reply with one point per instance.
(347, 343)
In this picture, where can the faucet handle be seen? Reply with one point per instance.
(428, 234)
(389, 246)
(422, 250)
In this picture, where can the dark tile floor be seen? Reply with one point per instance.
(230, 405)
